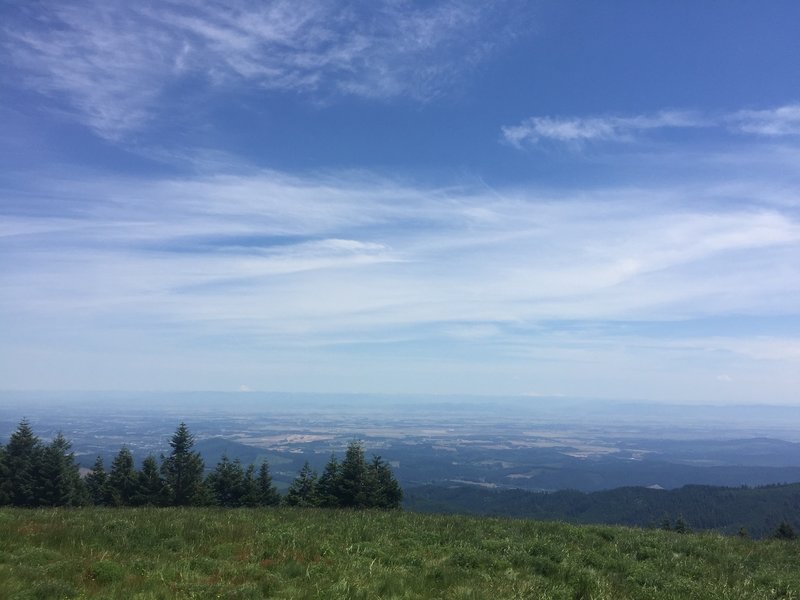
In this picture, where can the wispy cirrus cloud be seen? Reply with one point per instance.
(780, 121)
(184, 249)
(609, 128)
(117, 63)
(360, 278)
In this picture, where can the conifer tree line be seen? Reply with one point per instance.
(34, 474)
(351, 483)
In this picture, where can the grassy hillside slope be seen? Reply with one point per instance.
(313, 553)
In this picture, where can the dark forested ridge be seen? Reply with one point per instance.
(34, 474)
(757, 511)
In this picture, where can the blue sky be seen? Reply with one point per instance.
(517, 198)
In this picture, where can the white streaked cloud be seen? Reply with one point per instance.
(117, 62)
(781, 121)
(272, 279)
(369, 254)
(608, 128)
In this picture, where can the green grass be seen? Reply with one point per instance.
(290, 553)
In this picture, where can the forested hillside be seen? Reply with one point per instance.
(752, 511)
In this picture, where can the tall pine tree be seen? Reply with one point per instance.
(226, 483)
(150, 485)
(4, 497)
(250, 487)
(183, 470)
(122, 480)
(97, 484)
(383, 489)
(23, 458)
(267, 492)
(354, 477)
(329, 486)
(303, 490)
(57, 480)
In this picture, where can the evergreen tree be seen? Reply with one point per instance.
(383, 489)
(250, 496)
(355, 484)
(4, 497)
(123, 481)
(183, 470)
(785, 532)
(303, 490)
(97, 483)
(267, 492)
(681, 526)
(150, 486)
(57, 479)
(22, 463)
(226, 483)
(329, 486)
(353, 477)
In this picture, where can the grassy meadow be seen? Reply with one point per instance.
(144, 553)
